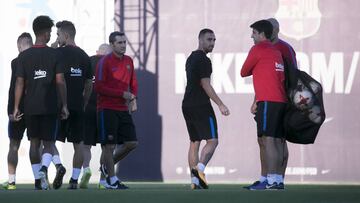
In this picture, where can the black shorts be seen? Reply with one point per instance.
(44, 127)
(90, 128)
(115, 127)
(72, 129)
(16, 129)
(269, 118)
(200, 122)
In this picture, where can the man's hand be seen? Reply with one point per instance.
(16, 116)
(128, 96)
(64, 113)
(253, 108)
(132, 105)
(224, 110)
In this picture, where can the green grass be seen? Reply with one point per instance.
(160, 192)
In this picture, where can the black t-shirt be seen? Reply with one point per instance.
(92, 101)
(77, 69)
(39, 65)
(11, 98)
(198, 66)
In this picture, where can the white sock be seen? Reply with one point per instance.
(12, 178)
(75, 173)
(56, 159)
(262, 179)
(279, 178)
(195, 180)
(36, 169)
(271, 178)
(113, 180)
(201, 167)
(46, 159)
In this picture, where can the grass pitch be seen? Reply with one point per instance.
(161, 192)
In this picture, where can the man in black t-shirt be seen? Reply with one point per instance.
(78, 77)
(15, 129)
(197, 110)
(40, 72)
(90, 130)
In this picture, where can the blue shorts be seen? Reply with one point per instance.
(270, 119)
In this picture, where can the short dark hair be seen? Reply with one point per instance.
(42, 24)
(67, 27)
(263, 26)
(113, 35)
(204, 31)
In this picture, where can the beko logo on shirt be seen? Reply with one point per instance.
(39, 74)
(279, 67)
(75, 72)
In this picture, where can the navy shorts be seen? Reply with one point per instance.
(115, 127)
(16, 129)
(270, 118)
(200, 122)
(44, 127)
(72, 129)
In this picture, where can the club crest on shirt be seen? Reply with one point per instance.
(39, 74)
(298, 19)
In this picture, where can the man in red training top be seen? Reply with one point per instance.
(116, 86)
(265, 64)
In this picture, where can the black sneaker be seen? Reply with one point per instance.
(118, 186)
(194, 186)
(44, 178)
(58, 180)
(273, 186)
(281, 186)
(73, 184)
(252, 185)
(38, 184)
(201, 176)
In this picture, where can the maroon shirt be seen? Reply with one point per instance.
(113, 77)
(287, 52)
(265, 64)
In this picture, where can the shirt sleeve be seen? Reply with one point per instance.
(60, 65)
(88, 68)
(205, 68)
(101, 81)
(133, 81)
(290, 60)
(20, 71)
(249, 63)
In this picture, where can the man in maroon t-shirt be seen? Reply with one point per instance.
(289, 58)
(265, 64)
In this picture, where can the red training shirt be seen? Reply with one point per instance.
(265, 64)
(113, 77)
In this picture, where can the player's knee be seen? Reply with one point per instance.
(213, 142)
(109, 148)
(131, 145)
(14, 146)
